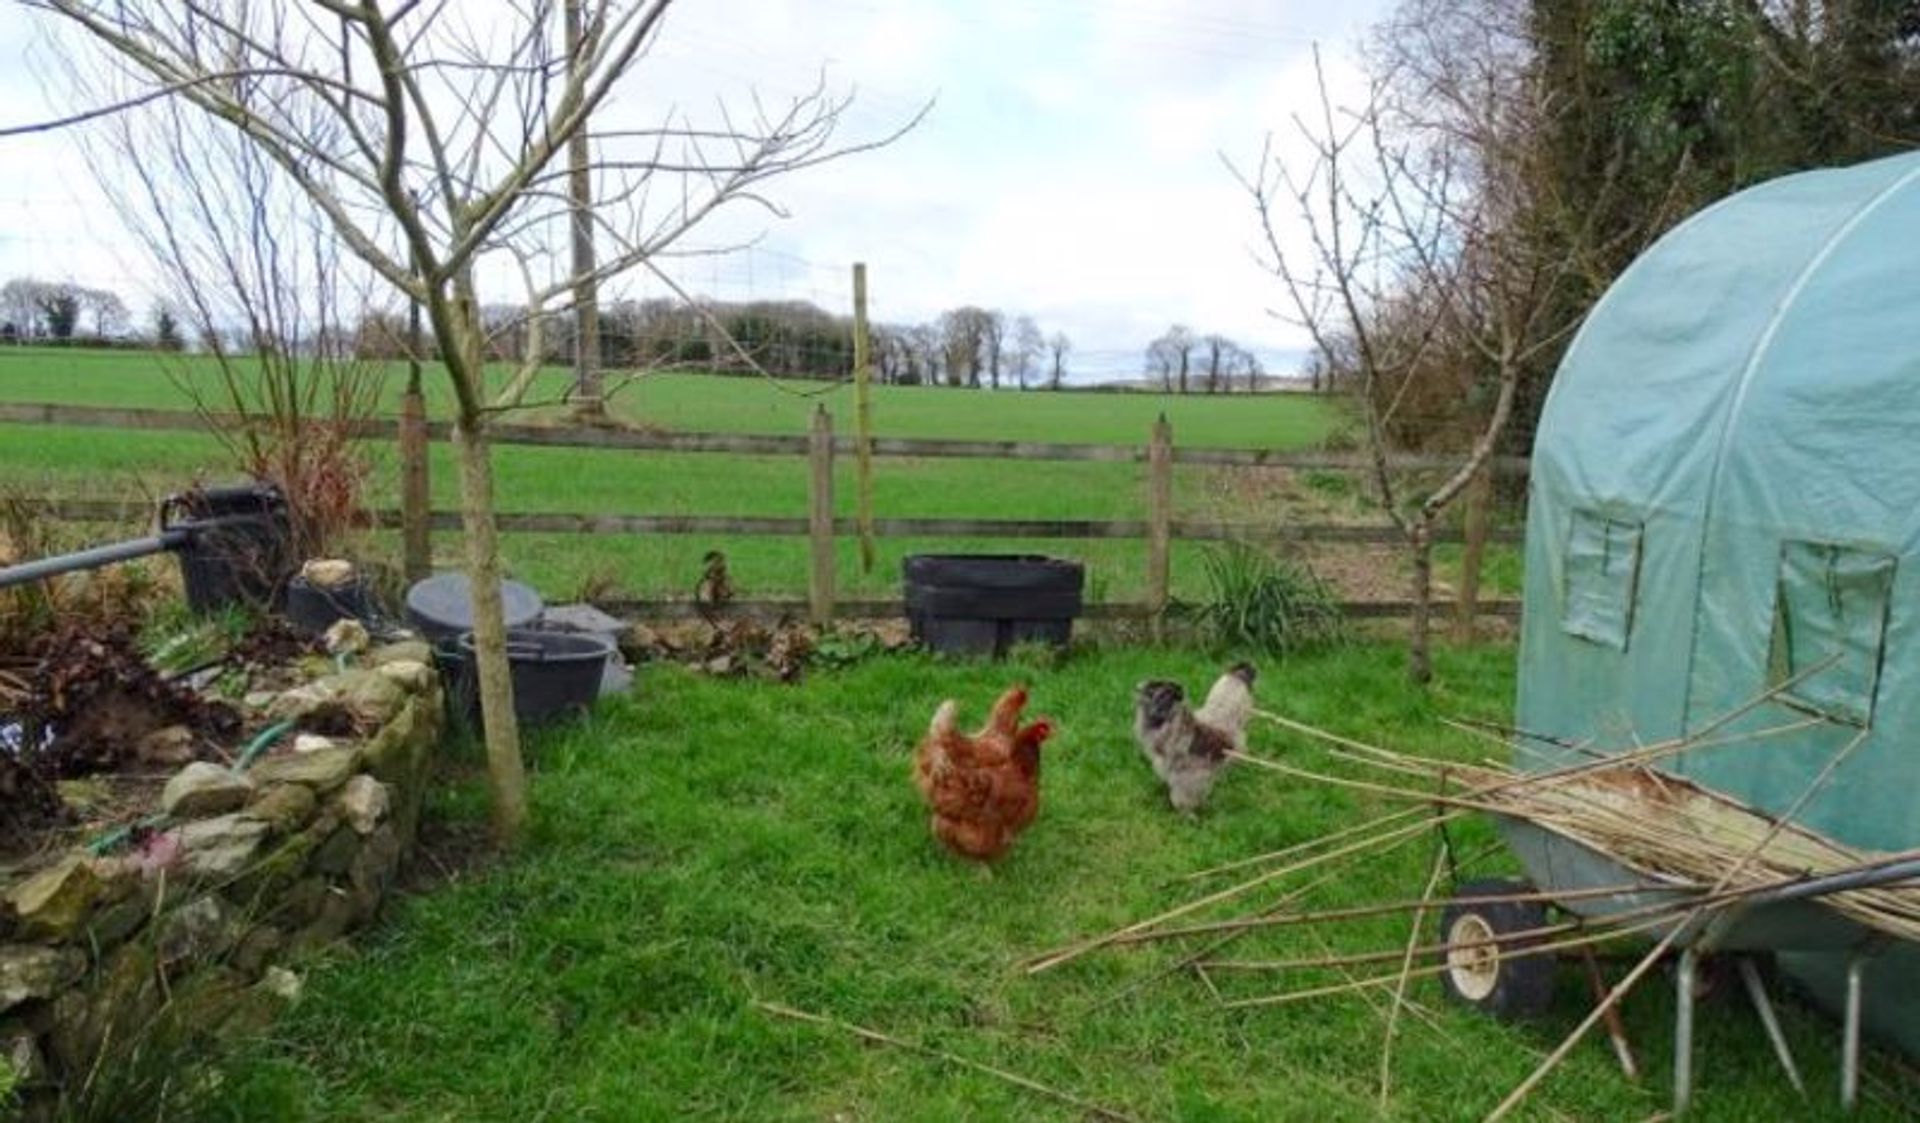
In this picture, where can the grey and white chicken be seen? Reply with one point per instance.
(1187, 747)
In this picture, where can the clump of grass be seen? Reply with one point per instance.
(176, 641)
(1261, 602)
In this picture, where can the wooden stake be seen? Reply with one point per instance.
(1616, 1027)
(1478, 515)
(416, 501)
(863, 417)
(1159, 521)
(820, 517)
(1014, 1078)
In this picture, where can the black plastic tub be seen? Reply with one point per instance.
(983, 604)
(314, 608)
(237, 548)
(554, 673)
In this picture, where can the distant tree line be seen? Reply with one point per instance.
(60, 313)
(966, 347)
(1183, 363)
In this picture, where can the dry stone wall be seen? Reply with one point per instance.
(193, 916)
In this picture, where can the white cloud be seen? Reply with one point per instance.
(1071, 168)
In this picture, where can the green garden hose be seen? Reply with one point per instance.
(260, 743)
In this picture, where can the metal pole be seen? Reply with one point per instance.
(1757, 991)
(1683, 1031)
(1850, 1039)
(91, 559)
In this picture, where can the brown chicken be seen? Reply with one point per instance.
(983, 788)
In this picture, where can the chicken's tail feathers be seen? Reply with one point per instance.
(945, 719)
(1245, 672)
(1006, 711)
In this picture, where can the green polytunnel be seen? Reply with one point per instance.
(1725, 502)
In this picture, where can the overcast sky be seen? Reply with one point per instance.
(1070, 169)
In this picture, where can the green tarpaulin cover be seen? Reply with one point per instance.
(1725, 498)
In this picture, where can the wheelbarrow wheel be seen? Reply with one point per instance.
(1482, 968)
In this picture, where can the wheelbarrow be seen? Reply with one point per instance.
(1487, 923)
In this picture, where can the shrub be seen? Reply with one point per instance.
(1261, 602)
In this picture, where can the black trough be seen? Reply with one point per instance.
(984, 604)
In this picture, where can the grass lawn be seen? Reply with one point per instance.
(697, 403)
(704, 844)
(43, 460)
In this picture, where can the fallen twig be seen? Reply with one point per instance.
(1014, 1078)
(1406, 973)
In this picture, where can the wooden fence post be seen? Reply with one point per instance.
(820, 517)
(1479, 511)
(1159, 519)
(863, 416)
(416, 514)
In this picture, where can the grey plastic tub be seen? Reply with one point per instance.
(554, 673)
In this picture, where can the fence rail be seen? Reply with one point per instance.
(556, 522)
(791, 608)
(819, 524)
(750, 444)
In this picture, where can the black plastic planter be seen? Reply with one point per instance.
(554, 673)
(313, 608)
(983, 604)
(237, 545)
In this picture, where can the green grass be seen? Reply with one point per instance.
(697, 403)
(49, 460)
(705, 844)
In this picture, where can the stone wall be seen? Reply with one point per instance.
(191, 917)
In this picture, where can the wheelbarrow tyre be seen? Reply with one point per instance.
(1499, 980)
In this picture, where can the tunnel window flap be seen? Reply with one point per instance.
(1602, 567)
(1829, 628)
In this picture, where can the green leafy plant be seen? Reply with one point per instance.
(1270, 604)
(176, 641)
(838, 648)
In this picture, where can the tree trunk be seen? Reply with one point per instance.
(1419, 653)
(589, 405)
(506, 778)
(1479, 513)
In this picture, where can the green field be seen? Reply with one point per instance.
(708, 844)
(42, 460)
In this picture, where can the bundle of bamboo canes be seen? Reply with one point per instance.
(1691, 853)
(1653, 822)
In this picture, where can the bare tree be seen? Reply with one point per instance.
(1250, 366)
(964, 331)
(993, 341)
(21, 301)
(109, 312)
(242, 254)
(1413, 257)
(1057, 347)
(1170, 356)
(433, 147)
(1180, 339)
(926, 352)
(1219, 357)
(1027, 345)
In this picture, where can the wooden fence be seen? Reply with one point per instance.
(819, 524)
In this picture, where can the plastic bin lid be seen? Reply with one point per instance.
(445, 600)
